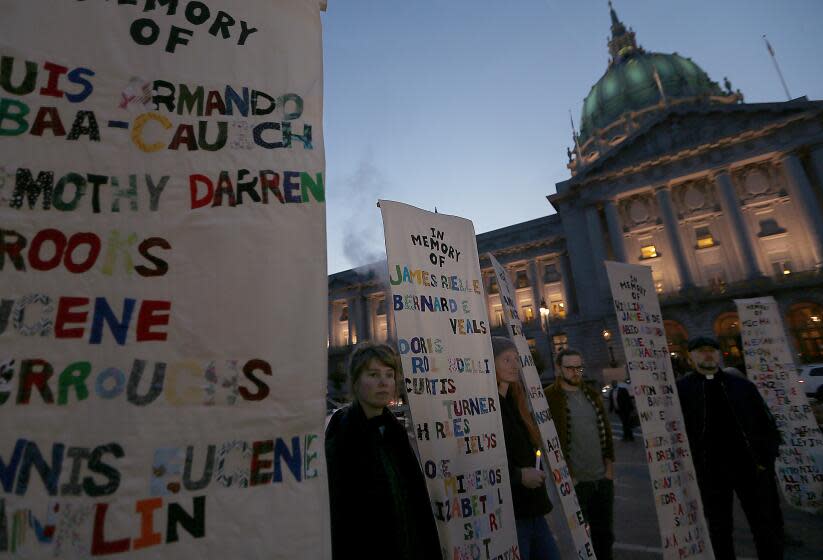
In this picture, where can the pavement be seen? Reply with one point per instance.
(635, 517)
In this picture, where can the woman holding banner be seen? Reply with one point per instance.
(528, 481)
(379, 503)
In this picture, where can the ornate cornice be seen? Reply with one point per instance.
(702, 149)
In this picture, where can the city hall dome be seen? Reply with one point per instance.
(636, 86)
(630, 84)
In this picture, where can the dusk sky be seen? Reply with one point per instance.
(464, 105)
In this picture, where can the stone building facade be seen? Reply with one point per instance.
(722, 199)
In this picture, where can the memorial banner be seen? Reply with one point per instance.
(770, 365)
(683, 529)
(443, 338)
(554, 463)
(163, 303)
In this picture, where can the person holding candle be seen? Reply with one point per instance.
(528, 481)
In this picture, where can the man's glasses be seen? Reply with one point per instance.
(575, 369)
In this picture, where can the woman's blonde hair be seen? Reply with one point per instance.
(367, 351)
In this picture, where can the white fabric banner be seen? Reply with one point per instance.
(162, 254)
(683, 529)
(443, 338)
(770, 366)
(557, 469)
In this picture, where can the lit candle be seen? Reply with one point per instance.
(537, 459)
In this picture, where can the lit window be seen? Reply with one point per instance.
(659, 284)
(528, 313)
(716, 278)
(498, 316)
(804, 322)
(717, 284)
(704, 238)
(648, 252)
(782, 267)
(727, 329)
(558, 309)
(381, 328)
(551, 274)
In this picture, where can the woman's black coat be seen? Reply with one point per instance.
(374, 514)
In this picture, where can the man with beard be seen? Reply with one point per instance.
(734, 442)
(586, 440)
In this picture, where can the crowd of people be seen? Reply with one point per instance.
(378, 491)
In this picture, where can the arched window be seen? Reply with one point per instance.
(677, 338)
(727, 331)
(805, 321)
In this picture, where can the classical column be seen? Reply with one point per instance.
(537, 284)
(366, 315)
(568, 283)
(615, 230)
(817, 164)
(510, 274)
(332, 340)
(741, 236)
(350, 302)
(389, 316)
(596, 245)
(672, 227)
(806, 203)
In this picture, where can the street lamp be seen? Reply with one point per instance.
(544, 314)
(544, 323)
(607, 336)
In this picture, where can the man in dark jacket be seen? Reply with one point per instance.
(585, 435)
(734, 442)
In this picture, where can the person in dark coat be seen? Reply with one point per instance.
(529, 498)
(585, 435)
(734, 442)
(625, 408)
(379, 502)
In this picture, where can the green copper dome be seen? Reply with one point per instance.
(630, 85)
(631, 82)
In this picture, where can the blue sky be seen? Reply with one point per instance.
(463, 104)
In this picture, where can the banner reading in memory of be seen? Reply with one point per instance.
(558, 470)
(443, 337)
(162, 219)
(683, 529)
(770, 366)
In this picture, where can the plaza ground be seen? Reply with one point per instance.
(636, 531)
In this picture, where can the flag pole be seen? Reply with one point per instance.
(777, 67)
